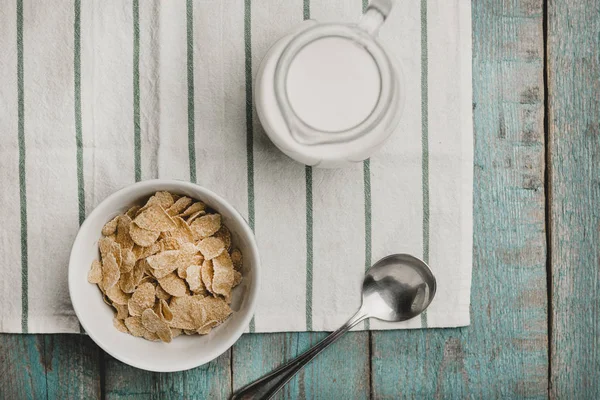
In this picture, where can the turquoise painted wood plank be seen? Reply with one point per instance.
(49, 366)
(22, 368)
(503, 354)
(341, 372)
(420, 364)
(210, 381)
(73, 365)
(124, 382)
(573, 56)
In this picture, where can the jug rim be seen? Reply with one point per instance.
(299, 129)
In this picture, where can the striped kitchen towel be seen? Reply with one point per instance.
(95, 95)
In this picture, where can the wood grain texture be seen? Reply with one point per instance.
(49, 366)
(573, 56)
(503, 354)
(210, 381)
(72, 365)
(340, 372)
(22, 372)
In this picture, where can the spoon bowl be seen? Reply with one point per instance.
(397, 288)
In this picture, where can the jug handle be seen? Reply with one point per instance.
(375, 15)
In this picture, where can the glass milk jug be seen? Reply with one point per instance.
(328, 94)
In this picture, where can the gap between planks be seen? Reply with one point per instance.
(547, 190)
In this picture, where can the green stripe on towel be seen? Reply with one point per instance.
(137, 140)
(249, 118)
(190, 83)
(78, 123)
(77, 98)
(368, 225)
(425, 139)
(309, 248)
(22, 178)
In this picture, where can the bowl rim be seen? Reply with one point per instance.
(253, 289)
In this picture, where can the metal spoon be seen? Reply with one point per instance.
(396, 288)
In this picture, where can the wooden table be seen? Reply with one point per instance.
(536, 281)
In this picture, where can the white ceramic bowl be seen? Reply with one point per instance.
(184, 352)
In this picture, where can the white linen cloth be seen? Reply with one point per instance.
(78, 86)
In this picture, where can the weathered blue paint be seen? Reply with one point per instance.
(210, 381)
(574, 153)
(72, 365)
(341, 372)
(22, 367)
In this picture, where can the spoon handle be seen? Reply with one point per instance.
(268, 385)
